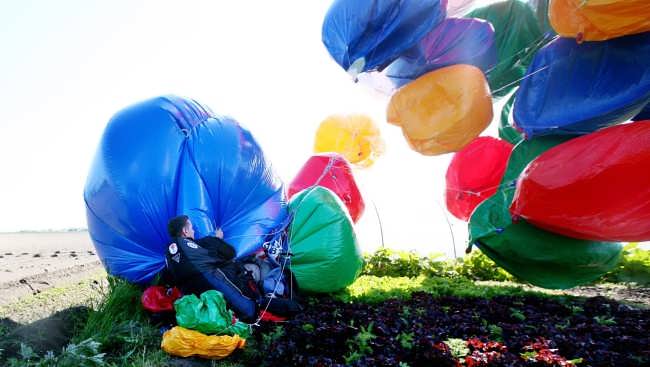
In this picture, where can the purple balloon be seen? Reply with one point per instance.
(454, 41)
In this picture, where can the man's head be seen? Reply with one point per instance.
(180, 226)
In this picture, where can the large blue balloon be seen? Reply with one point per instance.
(169, 156)
(372, 33)
(454, 41)
(575, 89)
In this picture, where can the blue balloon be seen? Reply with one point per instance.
(169, 156)
(370, 34)
(454, 41)
(644, 114)
(575, 89)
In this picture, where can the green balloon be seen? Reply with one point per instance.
(326, 256)
(540, 257)
(540, 7)
(517, 37)
(507, 130)
(547, 259)
(208, 315)
(493, 214)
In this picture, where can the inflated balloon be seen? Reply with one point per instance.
(643, 115)
(540, 7)
(507, 130)
(356, 137)
(549, 260)
(474, 174)
(542, 258)
(332, 171)
(167, 156)
(592, 187)
(576, 88)
(326, 256)
(368, 35)
(600, 19)
(517, 36)
(454, 41)
(442, 111)
(494, 214)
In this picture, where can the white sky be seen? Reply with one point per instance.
(67, 66)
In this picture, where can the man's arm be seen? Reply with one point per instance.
(217, 247)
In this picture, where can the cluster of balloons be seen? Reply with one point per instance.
(551, 200)
(444, 60)
(169, 156)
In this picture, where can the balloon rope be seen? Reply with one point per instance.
(535, 45)
(520, 79)
(381, 228)
(479, 193)
(451, 231)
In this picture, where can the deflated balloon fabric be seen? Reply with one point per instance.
(442, 111)
(356, 137)
(517, 37)
(598, 20)
(159, 299)
(592, 187)
(368, 35)
(182, 342)
(507, 130)
(209, 315)
(576, 88)
(474, 174)
(169, 156)
(332, 171)
(454, 41)
(542, 258)
(326, 256)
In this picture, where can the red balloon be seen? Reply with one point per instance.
(160, 299)
(475, 173)
(332, 171)
(594, 187)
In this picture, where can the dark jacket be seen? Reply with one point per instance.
(209, 263)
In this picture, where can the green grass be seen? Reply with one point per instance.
(634, 266)
(373, 289)
(121, 326)
(125, 336)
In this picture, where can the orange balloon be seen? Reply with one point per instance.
(442, 111)
(599, 20)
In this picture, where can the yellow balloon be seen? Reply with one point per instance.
(443, 110)
(356, 137)
(183, 342)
